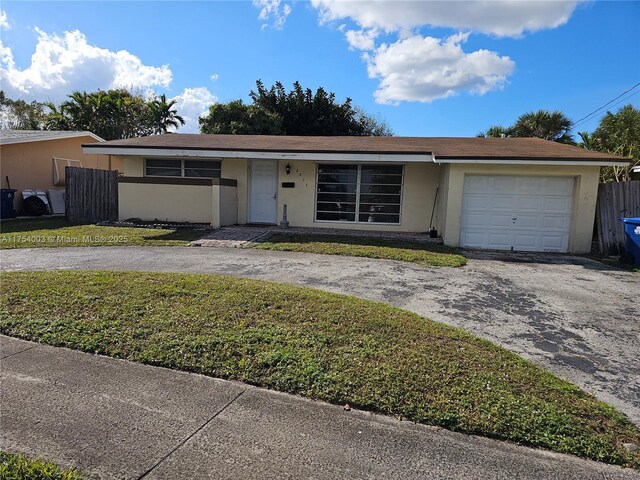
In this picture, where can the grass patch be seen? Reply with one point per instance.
(20, 467)
(424, 254)
(321, 345)
(57, 232)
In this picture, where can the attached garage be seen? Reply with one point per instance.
(521, 213)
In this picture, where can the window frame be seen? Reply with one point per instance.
(358, 194)
(182, 167)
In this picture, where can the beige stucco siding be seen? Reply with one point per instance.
(228, 205)
(441, 204)
(175, 203)
(29, 165)
(237, 169)
(133, 166)
(418, 193)
(585, 193)
(190, 203)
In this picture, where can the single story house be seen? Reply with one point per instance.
(521, 194)
(36, 159)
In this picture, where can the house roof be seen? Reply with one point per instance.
(24, 136)
(437, 148)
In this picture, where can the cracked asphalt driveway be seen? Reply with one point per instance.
(570, 315)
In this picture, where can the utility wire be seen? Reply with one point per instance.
(606, 104)
(615, 104)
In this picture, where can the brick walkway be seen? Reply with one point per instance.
(240, 236)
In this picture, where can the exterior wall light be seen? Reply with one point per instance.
(287, 169)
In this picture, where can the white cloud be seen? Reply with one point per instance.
(191, 104)
(497, 17)
(274, 11)
(422, 68)
(214, 77)
(67, 62)
(361, 39)
(426, 68)
(4, 21)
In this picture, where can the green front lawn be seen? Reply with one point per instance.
(57, 232)
(20, 467)
(321, 345)
(424, 254)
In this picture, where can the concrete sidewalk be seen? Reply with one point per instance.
(117, 419)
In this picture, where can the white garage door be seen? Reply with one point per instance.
(530, 214)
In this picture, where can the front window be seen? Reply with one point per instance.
(359, 193)
(182, 168)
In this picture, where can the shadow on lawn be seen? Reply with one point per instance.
(34, 224)
(175, 235)
(361, 241)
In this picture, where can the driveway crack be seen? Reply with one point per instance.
(17, 353)
(153, 467)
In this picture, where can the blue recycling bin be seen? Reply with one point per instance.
(6, 203)
(632, 232)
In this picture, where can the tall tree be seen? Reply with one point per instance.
(239, 119)
(20, 115)
(113, 114)
(619, 133)
(297, 112)
(554, 126)
(163, 115)
(496, 132)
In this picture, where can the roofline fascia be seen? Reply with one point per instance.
(13, 141)
(534, 161)
(254, 154)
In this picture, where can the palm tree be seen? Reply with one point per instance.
(554, 126)
(496, 131)
(587, 141)
(163, 115)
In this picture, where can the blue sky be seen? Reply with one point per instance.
(427, 68)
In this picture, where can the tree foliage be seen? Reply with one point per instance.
(114, 114)
(276, 111)
(239, 119)
(20, 115)
(554, 126)
(162, 115)
(618, 133)
(110, 114)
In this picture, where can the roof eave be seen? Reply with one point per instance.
(165, 152)
(13, 141)
(603, 162)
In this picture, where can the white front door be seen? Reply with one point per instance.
(520, 213)
(263, 191)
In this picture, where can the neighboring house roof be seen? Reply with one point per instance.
(8, 137)
(438, 149)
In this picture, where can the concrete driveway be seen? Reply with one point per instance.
(570, 315)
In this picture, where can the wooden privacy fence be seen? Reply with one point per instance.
(91, 195)
(615, 200)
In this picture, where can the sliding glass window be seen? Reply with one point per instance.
(359, 193)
